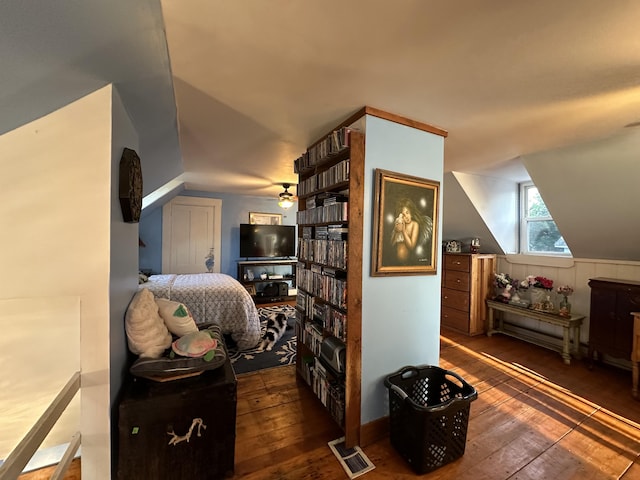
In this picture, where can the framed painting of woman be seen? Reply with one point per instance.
(405, 224)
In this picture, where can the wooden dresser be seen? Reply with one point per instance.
(467, 281)
(611, 321)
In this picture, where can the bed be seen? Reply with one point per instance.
(212, 298)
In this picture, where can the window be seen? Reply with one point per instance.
(538, 231)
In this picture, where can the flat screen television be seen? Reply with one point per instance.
(258, 241)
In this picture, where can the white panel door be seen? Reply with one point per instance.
(190, 228)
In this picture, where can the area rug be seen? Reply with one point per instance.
(283, 353)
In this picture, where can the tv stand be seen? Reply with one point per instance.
(269, 280)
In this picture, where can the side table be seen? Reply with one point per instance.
(570, 326)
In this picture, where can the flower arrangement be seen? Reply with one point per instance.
(504, 284)
(565, 306)
(527, 282)
(540, 299)
(503, 279)
(565, 290)
(543, 282)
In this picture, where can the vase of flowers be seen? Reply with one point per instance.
(503, 284)
(541, 292)
(565, 306)
(520, 294)
(210, 261)
(524, 288)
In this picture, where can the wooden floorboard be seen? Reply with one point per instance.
(535, 418)
(72, 473)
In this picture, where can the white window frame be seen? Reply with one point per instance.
(525, 221)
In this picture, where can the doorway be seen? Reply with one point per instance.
(190, 228)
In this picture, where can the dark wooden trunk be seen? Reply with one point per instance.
(149, 411)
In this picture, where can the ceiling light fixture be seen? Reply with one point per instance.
(286, 198)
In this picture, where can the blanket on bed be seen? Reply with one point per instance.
(212, 298)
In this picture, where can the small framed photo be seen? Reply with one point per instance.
(258, 218)
(405, 225)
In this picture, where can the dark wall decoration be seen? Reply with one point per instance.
(130, 186)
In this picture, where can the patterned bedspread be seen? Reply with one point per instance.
(213, 297)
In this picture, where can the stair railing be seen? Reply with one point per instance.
(24, 451)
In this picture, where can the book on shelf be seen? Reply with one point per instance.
(337, 323)
(332, 212)
(336, 255)
(331, 145)
(322, 232)
(334, 272)
(307, 364)
(311, 202)
(335, 175)
(331, 177)
(320, 312)
(332, 198)
(314, 338)
(301, 300)
(339, 139)
(337, 232)
(307, 232)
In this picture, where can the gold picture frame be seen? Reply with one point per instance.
(258, 218)
(405, 225)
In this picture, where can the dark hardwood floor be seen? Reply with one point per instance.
(535, 418)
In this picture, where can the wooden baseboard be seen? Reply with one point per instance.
(373, 431)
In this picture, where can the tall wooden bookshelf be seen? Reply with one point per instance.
(319, 171)
(332, 170)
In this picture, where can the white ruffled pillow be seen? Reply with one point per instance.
(147, 334)
(177, 317)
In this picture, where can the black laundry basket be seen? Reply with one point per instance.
(429, 415)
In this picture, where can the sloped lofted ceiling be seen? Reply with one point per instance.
(256, 81)
(53, 53)
(230, 92)
(226, 94)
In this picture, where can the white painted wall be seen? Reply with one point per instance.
(400, 315)
(123, 276)
(62, 238)
(590, 194)
(496, 201)
(586, 188)
(460, 219)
